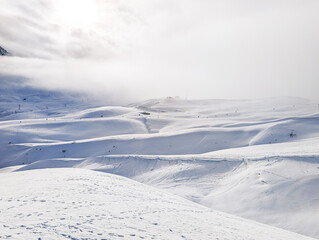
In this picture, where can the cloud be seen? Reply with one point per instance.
(146, 49)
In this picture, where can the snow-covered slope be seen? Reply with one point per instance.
(82, 204)
(19, 101)
(257, 159)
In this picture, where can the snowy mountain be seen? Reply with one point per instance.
(257, 159)
(3, 51)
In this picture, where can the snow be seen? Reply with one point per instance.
(234, 156)
(83, 204)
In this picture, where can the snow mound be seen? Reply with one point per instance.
(83, 204)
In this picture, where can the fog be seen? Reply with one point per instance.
(134, 50)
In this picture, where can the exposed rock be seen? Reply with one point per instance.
(3, 51)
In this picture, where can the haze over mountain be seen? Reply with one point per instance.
(130, 51)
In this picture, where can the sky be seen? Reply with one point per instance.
(141, 49)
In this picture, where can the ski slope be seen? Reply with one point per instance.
(257, 159)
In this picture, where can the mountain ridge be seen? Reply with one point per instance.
(3, 52)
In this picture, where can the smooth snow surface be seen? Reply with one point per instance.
(257, 159)
(83, 204)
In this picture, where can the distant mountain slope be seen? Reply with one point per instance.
(3, 51)
(83, 204)
(18, 100)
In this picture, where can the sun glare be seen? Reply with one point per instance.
(76, 13)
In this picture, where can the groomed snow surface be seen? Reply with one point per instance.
(181, 163)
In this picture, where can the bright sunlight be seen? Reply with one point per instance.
(76, 13)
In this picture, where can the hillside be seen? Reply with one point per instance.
(257, 159)
(82, 204)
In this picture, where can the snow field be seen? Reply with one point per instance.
(83, 204)
(258, 159)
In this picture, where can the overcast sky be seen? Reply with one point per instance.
(141, 49)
